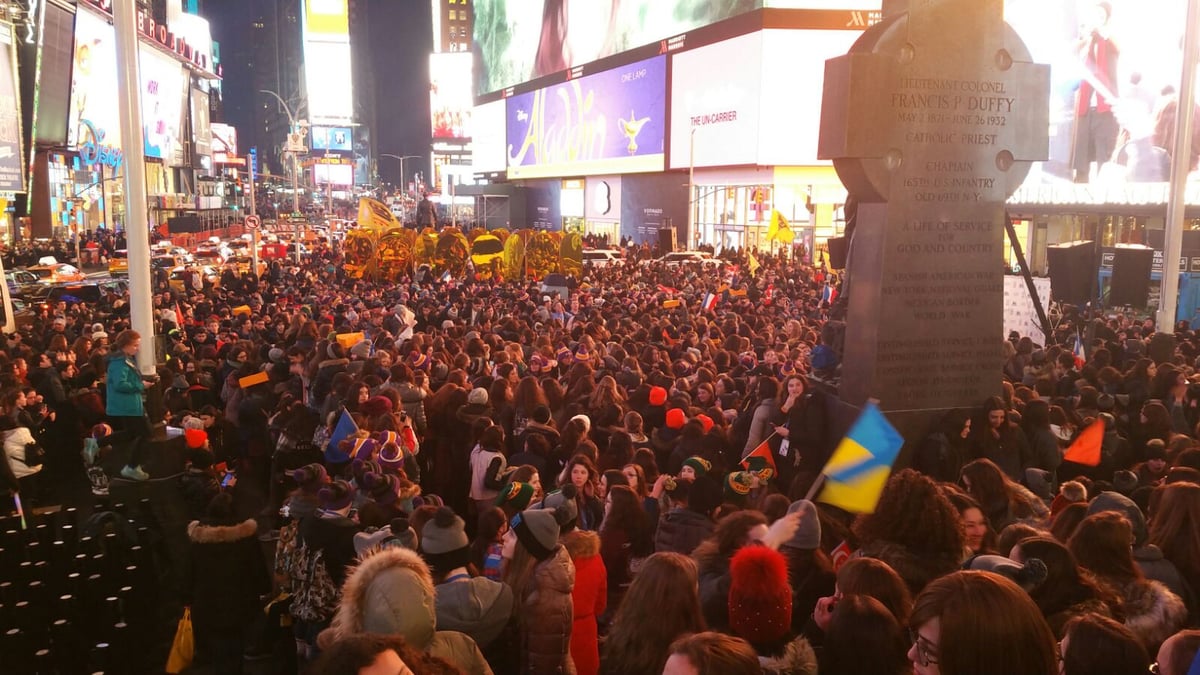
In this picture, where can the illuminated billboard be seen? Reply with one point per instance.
(163, 83)
(609, 122)
(327, 74)
(334, 174)
(743, 101)
(12, 175)
(450, 95)
(518, 40)
(487, 138)
(1111, 119)
(94, 117)
(224, 143)
(332, 139)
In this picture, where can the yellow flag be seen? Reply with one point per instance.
(773, 229)
(753, 265)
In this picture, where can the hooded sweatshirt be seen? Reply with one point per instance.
(476, 606)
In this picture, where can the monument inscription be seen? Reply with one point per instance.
(932, 120)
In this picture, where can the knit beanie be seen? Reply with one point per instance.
(195, 438)
(704, 495)
(516, 495)
(376, 406)
(336, 496)
(658, 396)
(563, 501)
(705, 421)
(699, 465)
(360, 468)
(676, 418)
(537, 530)
(738, 485)
(808, 533)
(760, 598)
(382, 490)
(361, 350)
(444, 543)
(309, 478)
(359, 448)
(478, 396)
(1115, 501)
(391, 458)
(1028, 576)
(564, 356)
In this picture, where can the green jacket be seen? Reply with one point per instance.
(125, 387)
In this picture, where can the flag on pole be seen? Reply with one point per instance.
(760, 461)
(446, 276)
(1085, 449)
(710, 302)
(1080, 355)
(345, 429)
(827, 294)
(753, 264)
(859, 468)
(178, 317)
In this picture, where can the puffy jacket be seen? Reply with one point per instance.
(228, 574)
(547, 617)
(681, 531)
(478, 607)
(15, 442)
(391, 592)
(590, 599)
(124, 387)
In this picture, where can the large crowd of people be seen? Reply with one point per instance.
(465, 475)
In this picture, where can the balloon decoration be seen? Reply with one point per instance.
(514, 255)
(394, 254)
(570, 256)
(453, 251)
(425, 249)
(487, 255)
(359, 253)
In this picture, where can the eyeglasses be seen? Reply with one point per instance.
(926, 651)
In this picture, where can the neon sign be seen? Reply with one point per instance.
(92, 152)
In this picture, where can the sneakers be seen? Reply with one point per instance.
(134, 473)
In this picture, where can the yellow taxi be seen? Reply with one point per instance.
(118, 263)
(55, 273)
(181, 277)
(241, 264)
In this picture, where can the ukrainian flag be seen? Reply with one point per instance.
(860, 466)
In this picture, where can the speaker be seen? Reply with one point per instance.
(1072, 267)
(1130, 277)
(839, 247)
(666, 240)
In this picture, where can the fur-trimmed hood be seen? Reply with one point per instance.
(1152, 611)
(797, 658)
(390, 592)
(221, 534)
(581, 544)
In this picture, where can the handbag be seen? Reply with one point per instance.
(35, 455)
(183, 648)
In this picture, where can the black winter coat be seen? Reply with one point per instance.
(228, 574)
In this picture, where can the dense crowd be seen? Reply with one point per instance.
(473, 476)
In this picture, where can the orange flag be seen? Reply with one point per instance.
(760, 461)
(1086, 447)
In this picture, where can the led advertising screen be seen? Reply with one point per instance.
(716, 93)
(94, 116)
(162, 104)
(1115, 71)
(224, 142)
(337, 174)
(12, 174)
(332, 139)
(610, 122)
(327, 74)
(518, 40)
(450, 95)
(487, 138)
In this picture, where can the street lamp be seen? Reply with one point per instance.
(403, 185)
(295, 128)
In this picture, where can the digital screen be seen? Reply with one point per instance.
(224, 142)
(518, 40)
(333, 139)
(162, 104)
(12, 177)
(487, 137)
(94, 83)
(614, 122)
(450, 97)
(337, 174)
(327, 73)
(1114, 81)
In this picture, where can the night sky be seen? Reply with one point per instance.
(401, 38)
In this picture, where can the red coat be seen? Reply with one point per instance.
(590, 596)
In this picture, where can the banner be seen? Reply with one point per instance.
(12, 175)
(610, 122)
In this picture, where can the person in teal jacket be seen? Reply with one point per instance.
(125, 386)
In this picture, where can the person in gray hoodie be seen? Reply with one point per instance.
(469, 604)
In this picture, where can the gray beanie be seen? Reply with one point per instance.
(444, 533)
(276, 355)
(563, 503)
(537, 530)
(1028, 576)
(808, 533)
(1115, 501)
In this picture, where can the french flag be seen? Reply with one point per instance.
(827, 294)
(1080, 356)
(710, 302)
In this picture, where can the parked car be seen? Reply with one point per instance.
(55, 273)
(601, 257)
(182, 276)
(677, 258)
(90, 292)
(20, 281)
(241, 264)
(118, 263)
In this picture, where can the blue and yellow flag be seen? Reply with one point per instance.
(860, 466)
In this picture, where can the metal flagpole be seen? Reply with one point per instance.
(1180, 159)
(137, 226)
(253, 212)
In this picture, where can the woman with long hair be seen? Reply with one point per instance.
(639, 639)
(713, 556)
(914, 529)
(1069, 590)
(1175, 528)
(863, 637)
(542, 577)
(626, 538)
(1103, 544)
(126, 387)
(581, 473)
(1043, 444)
(868, 576)
(1003, 500)
(979, 536)
(951, 636)
(1093, 644)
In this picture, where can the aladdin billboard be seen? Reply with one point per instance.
(609, 122)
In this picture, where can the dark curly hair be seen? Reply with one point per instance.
(913, 513)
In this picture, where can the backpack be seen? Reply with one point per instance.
(315, 596)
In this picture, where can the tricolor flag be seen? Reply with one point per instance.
(827, 294)
(760, 461)
(668, 290)
(1080, 355)
(859, 468)
(446, 276)
(710, 302)
(345, 429)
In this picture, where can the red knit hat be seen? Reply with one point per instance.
(658, 396)
(760, 598)
(676, 418)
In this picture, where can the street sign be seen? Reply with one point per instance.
(253, 222)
